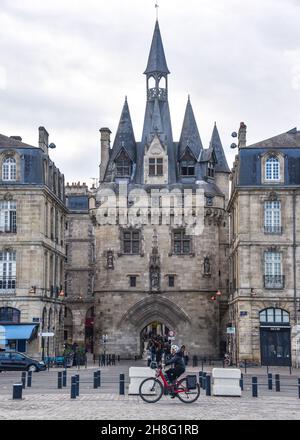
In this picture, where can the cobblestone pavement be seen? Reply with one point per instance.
(115, 407)
(44, 401)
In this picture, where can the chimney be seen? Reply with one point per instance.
(105, 148)
(43, 139)
(242, 135)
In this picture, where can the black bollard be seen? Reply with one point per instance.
(64, 378)
(29, 379)
(119, 358)
(99, 378)
(254, 387)
(85, 361)
(122, 384)
(95, 379)
(204, 380)
(94, 359)
(200, 378)
(208, 385)
(23, 379)
(270, 381)
(73, 387)
(59, 380)
(277, 382)
(17, 390)
(299, 388)
(77, 384)
(242, 382)
(245, 366)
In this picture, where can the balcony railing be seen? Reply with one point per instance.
(273, 230)
(7, 285)
(274, 281)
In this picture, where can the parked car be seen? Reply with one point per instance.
(15, 361)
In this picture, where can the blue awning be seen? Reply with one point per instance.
(22, 331)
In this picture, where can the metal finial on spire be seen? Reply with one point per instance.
(156, 7)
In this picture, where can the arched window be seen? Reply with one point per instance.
(9, 314)
(272, 171)
(123, 165)
(9, 169)
(274, 316)
(187, 165)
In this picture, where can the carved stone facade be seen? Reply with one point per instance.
(152, 271)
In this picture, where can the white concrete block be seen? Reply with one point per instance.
(136, 376)
(226, 382)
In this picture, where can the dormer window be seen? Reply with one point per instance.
(123, 165)
(210, 169)
(272, 169)
(187, 165)
(9, 169)
(155, 166)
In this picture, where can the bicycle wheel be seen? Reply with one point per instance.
(186, 395)
(151, 390)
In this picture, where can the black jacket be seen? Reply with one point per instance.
(177, 359)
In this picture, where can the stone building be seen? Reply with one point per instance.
(264, 250)
(155, 272)
(79, 268)
(32, 249)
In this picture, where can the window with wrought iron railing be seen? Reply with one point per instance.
(7, 271)
(8, 216)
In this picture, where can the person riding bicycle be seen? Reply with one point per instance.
(177, 360)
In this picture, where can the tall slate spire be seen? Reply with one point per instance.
(189, 134)
(216, 144)
(157, 115)
(157, 60)
(124, 136)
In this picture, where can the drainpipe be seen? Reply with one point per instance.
(294, 255)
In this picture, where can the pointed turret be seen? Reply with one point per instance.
(125, 136)
(157, 60)
(189, 137)
(157, 115)
(216, 144)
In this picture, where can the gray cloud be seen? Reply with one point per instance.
(68, 65)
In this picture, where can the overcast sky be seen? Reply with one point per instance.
(67, 65)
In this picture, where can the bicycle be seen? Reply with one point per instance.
(152, 388)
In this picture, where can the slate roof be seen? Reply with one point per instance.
(157, 60)
(216, 144)
(189, 134)
(285, 140)
(124, 136)
(8, 142)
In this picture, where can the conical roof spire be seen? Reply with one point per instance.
(125, 135)
(216, 144)
(157, 60)
(190, 135)
(156, 119)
